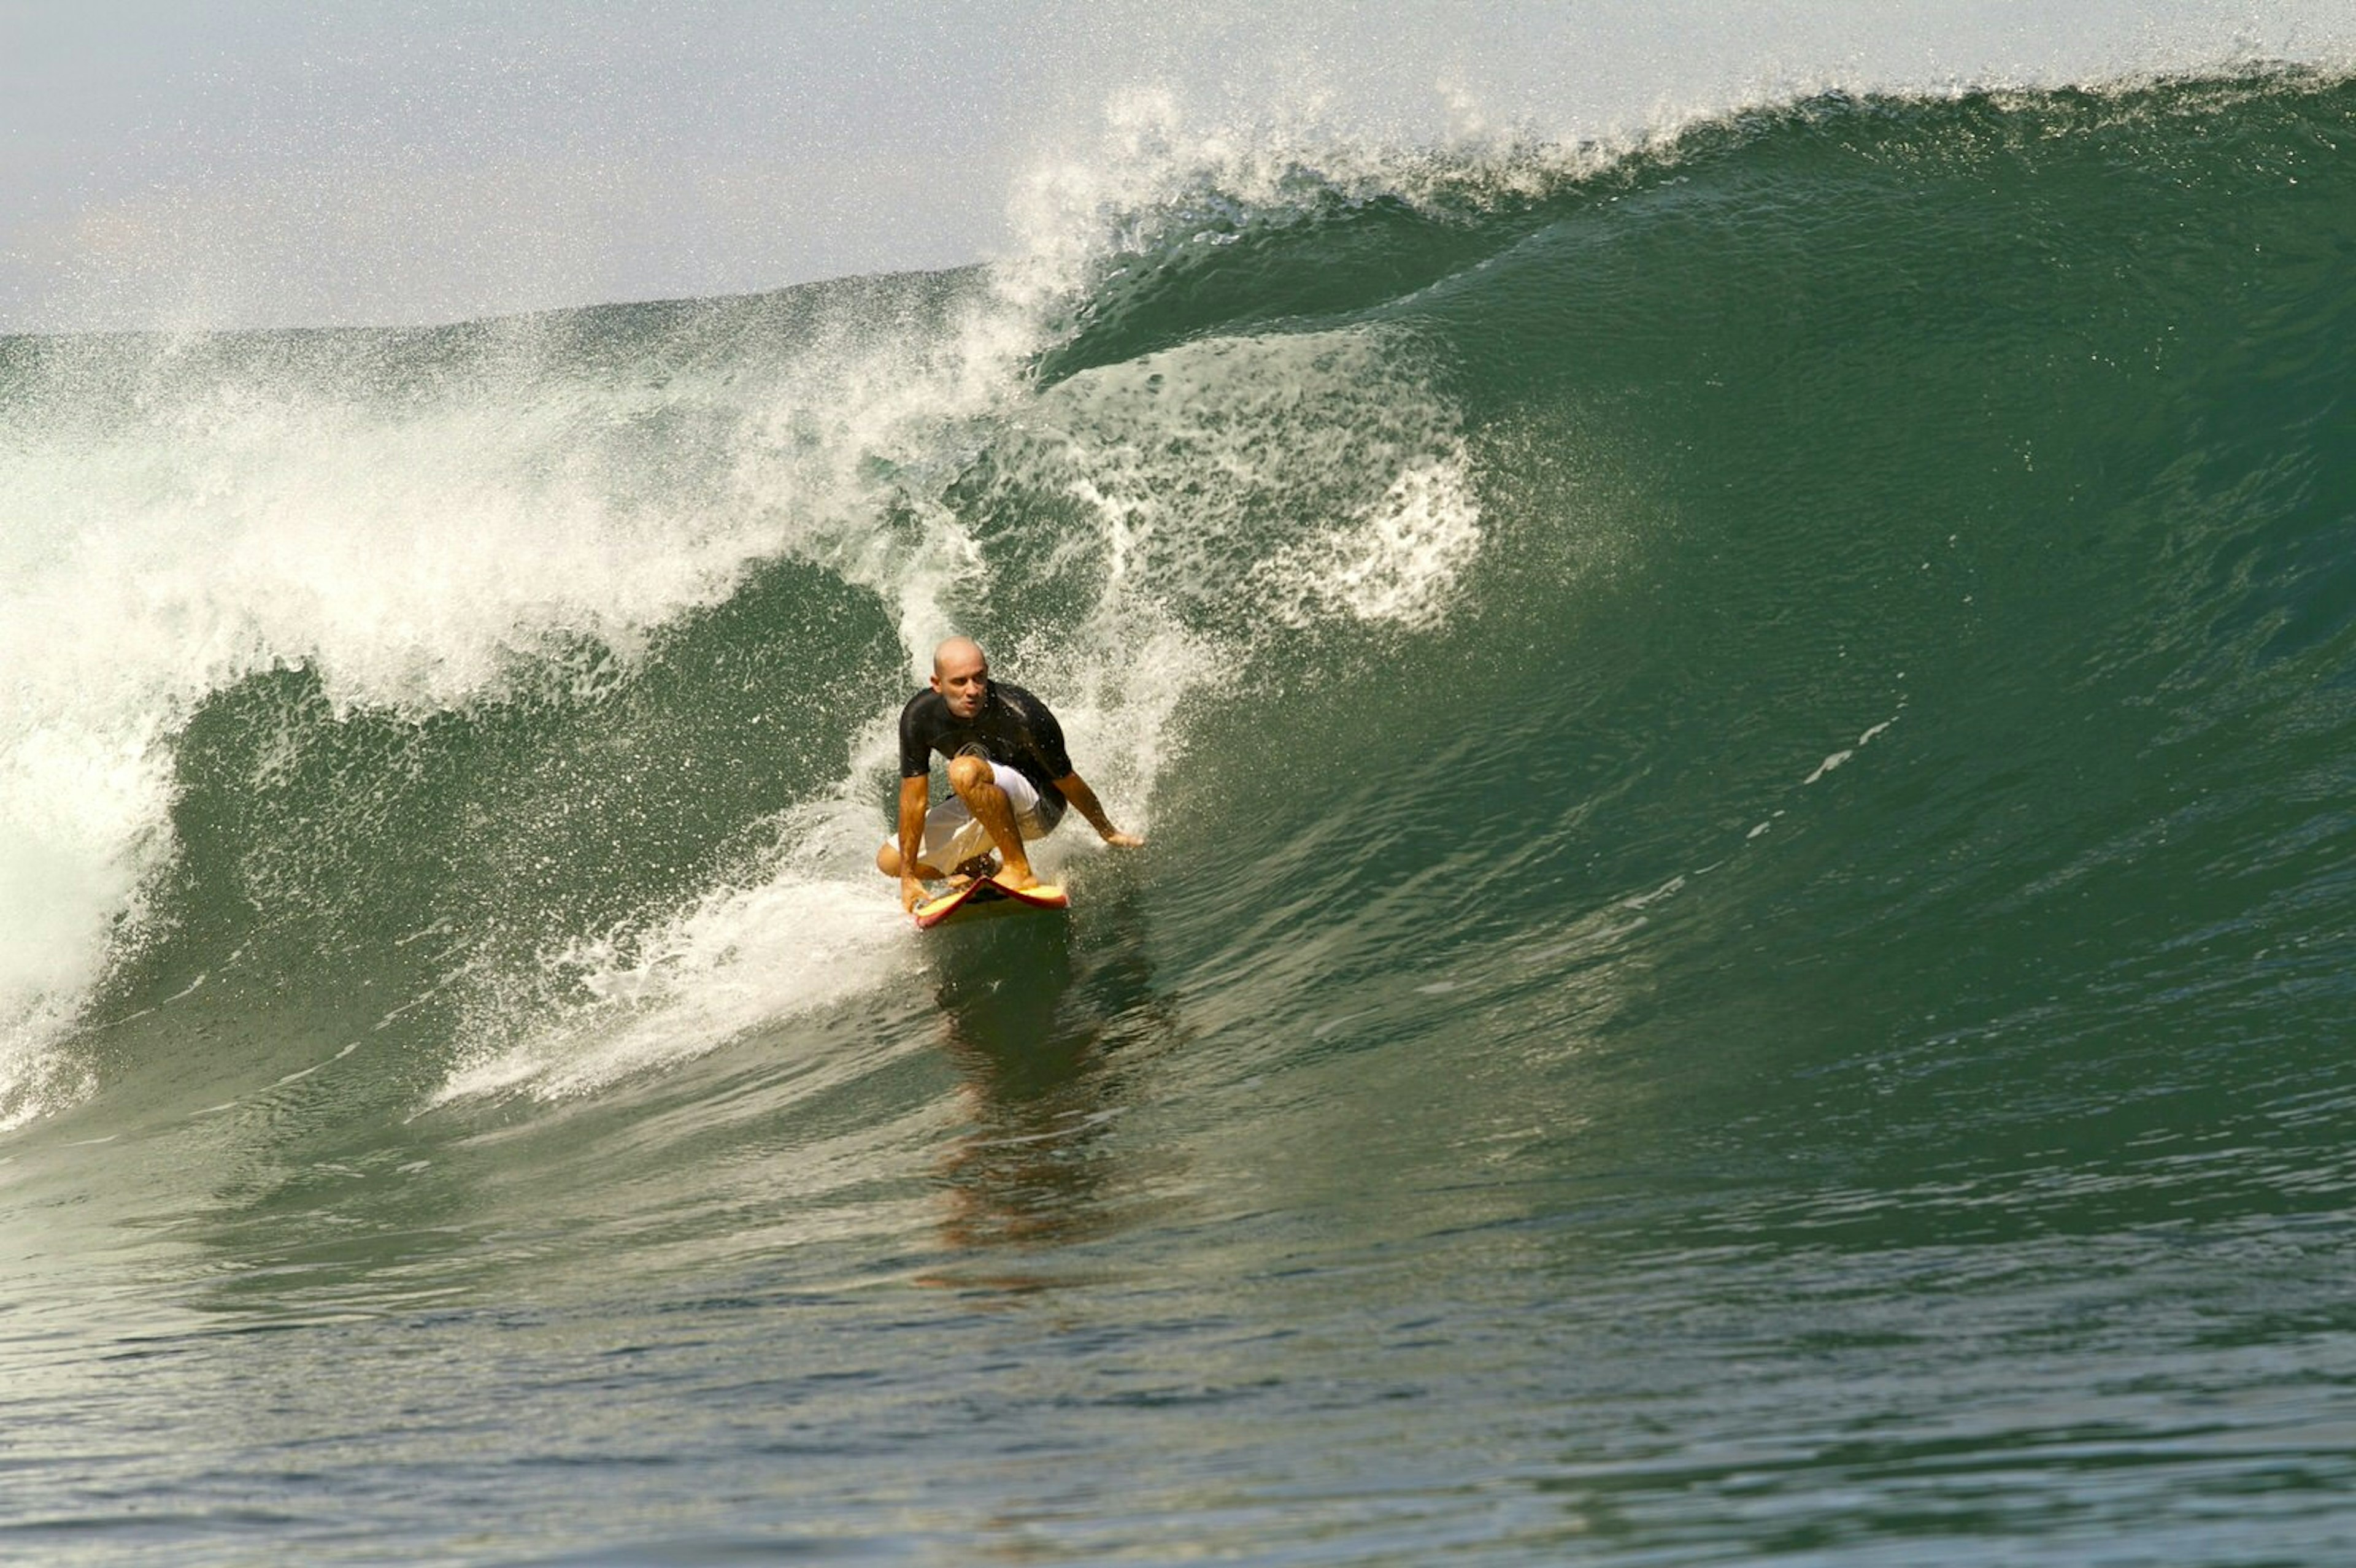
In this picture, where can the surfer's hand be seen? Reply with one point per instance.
(912, 893)
(1119, 840)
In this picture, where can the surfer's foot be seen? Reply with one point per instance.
(1019, 877)
(973, 871)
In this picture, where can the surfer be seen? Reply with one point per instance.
(1007, 769)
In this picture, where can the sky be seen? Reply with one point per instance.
(233, 162)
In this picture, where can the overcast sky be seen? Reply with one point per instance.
(249, 162)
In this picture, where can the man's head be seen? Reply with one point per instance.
(961, 674)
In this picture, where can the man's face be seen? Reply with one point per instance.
(963, 680)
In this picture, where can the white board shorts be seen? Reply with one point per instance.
(953, 836)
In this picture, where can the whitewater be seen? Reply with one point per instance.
(1745, 732)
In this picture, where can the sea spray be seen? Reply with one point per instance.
(428, 522)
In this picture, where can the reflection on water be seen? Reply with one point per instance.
(1051, 1024)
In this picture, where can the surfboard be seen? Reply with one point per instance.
(983, 897)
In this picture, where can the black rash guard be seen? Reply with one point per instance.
(1013, 727)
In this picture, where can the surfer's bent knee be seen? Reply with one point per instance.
(969, 773)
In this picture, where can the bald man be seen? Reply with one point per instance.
(1007, 767)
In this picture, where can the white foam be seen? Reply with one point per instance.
(1396, 560)
(738, 958)
(1292, 475)
(1838, 758)
(1162, 170)
(171, 523)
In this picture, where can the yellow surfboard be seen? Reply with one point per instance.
(983, 897)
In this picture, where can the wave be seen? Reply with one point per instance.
(1863, 522)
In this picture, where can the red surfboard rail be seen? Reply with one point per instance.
(984, 896)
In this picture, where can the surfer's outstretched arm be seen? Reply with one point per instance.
(1074, 788)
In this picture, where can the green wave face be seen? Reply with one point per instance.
(1921, 518)
(1746, 744)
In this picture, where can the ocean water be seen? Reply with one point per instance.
(1746, 952)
